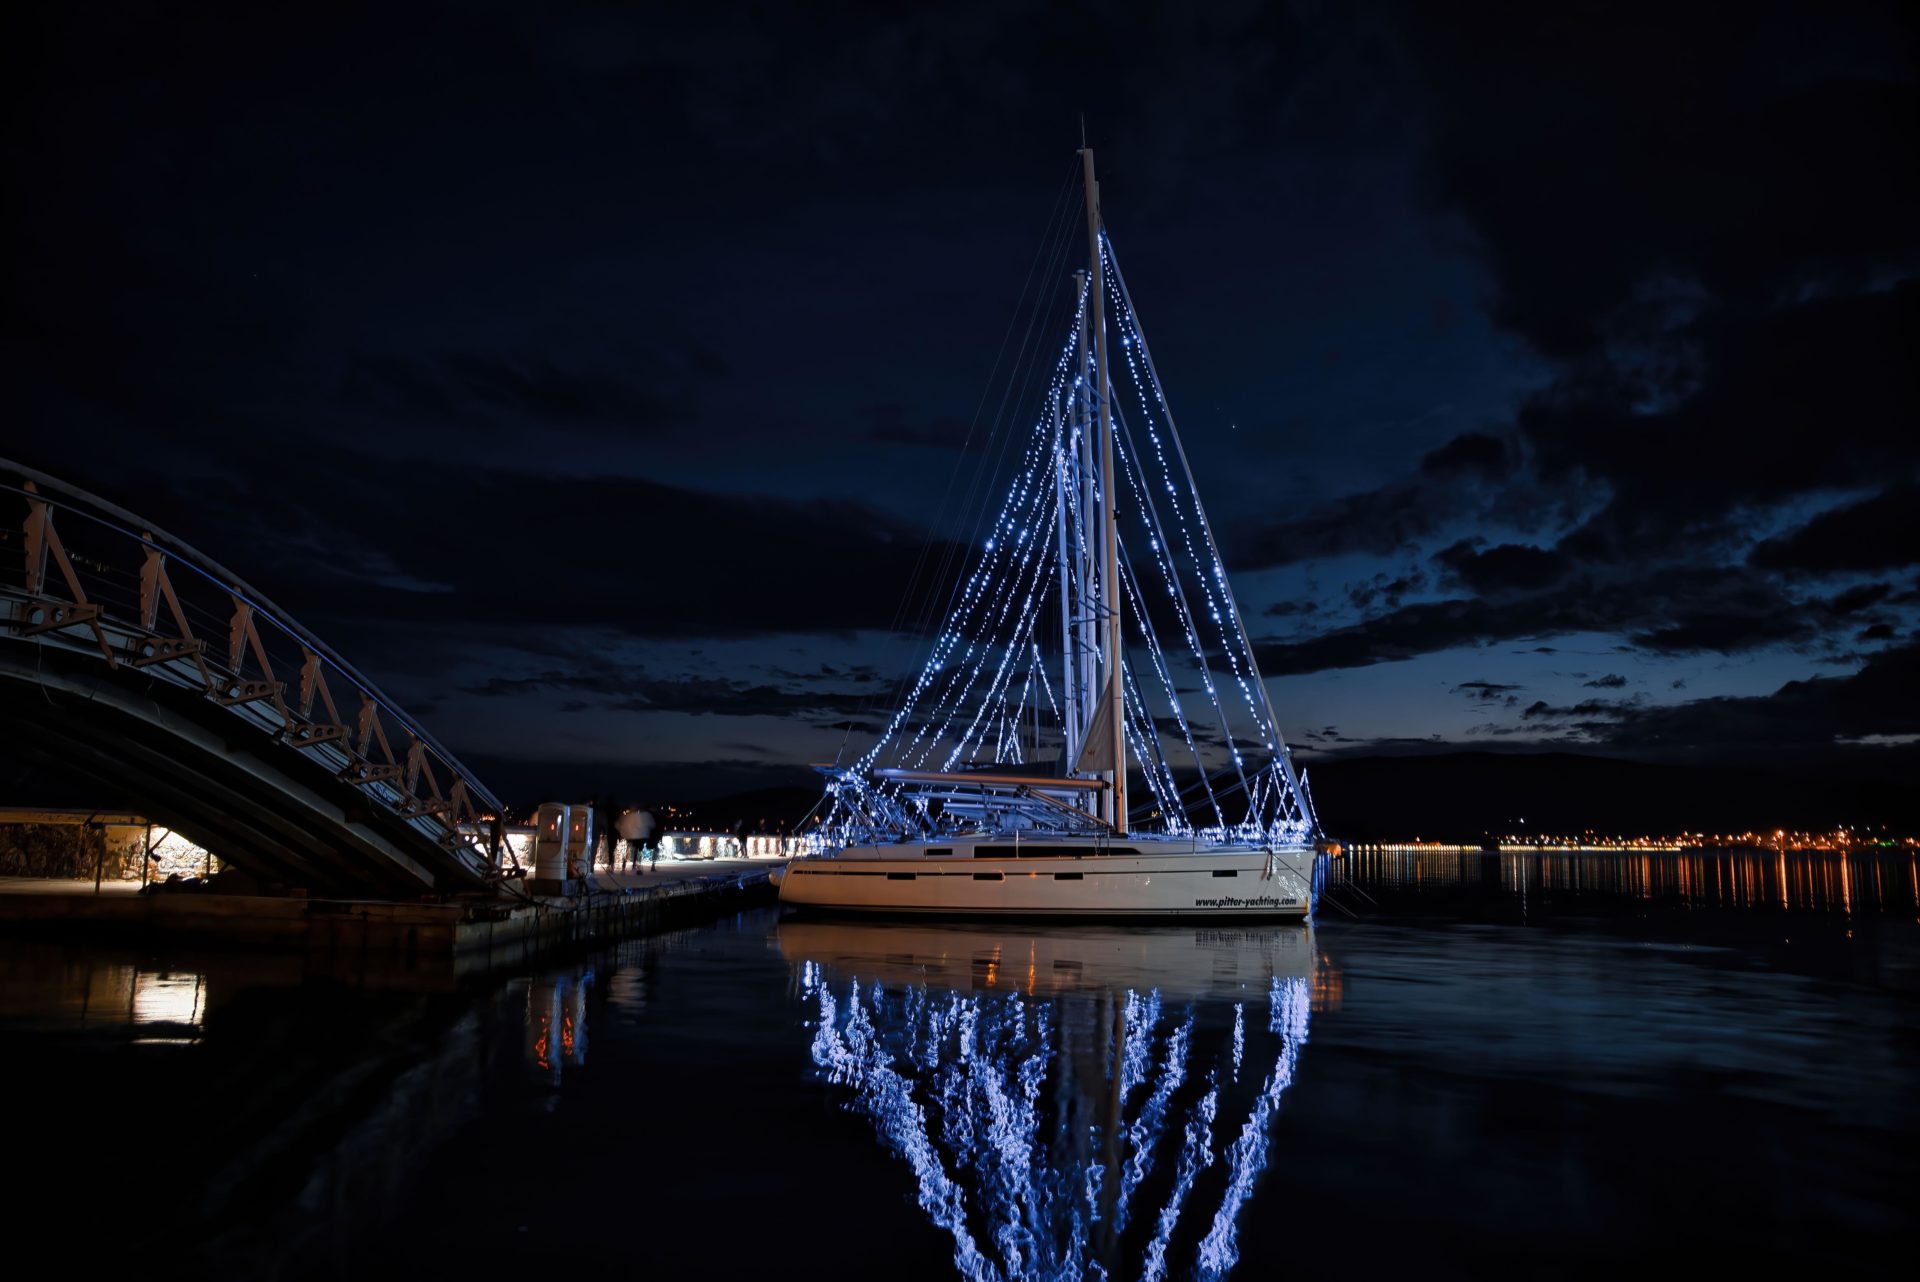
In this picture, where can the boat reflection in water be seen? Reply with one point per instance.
(1073, 1101)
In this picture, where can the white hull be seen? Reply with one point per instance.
(992, 880)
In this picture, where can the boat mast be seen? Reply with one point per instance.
(1066, 474)
(1116, 799)
(1086, 645)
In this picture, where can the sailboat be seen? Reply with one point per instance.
(955, 809)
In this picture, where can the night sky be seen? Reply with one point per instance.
(592, 377)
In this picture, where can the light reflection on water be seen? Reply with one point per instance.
(154, 1002)
(1523, 1063)
(1823, 882)
(557, 1023)
(1072, 1101)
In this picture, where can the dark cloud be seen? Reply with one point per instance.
(1389, 590)
(1606, 708)
(1205, 730)
(536, 778)
(636, 691)
(1612, 681)
(1458, 476)
(1866, 723)
(891, 424)
(523, 389)
(1678, 610)
(1872, 534)
(853, 674)
(1470, 452)
(490, 547)
(1789, 400)
(1710, 217)
(1381, 522)
(1713, 244)
(1486, 691)
(1859, 597)
(1508, 567)
(1740, 154)
(1878, 705)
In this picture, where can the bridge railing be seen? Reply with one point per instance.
(85, 575)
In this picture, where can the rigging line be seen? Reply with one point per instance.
(1046, 686)
(1005, 524)
(1140, 722)
(1023, 629)
(1048, 236)
(1053, 247)
(1268, 738)
(1136, 595)
(1021, 502)
(1018, 644)
(1131, 578)
(1169, 571)
(1204, 778)
(1146, 353)
(1070, 477)
(1143, 494)
(974, 597)
(959, 679)
(1229, 789)
(1000, 588)
(1206, 580)
(989, 592)
(1026, 688)
(1262, 725)
(1160, 781)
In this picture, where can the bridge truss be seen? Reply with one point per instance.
(128, 655)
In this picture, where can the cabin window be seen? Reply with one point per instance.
(939, 851)
(1069, 876)
(989, 876)
(907, 876)
(1226, 872)
(1040, 850)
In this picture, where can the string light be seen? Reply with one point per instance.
(970, 694)
(1295, 819)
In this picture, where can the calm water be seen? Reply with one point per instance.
(1560, 1064)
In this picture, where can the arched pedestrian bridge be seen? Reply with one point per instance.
(130, 657)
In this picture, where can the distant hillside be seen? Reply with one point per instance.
(1464, 795)
(761, 809)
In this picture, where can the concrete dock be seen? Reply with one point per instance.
(463, 935)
